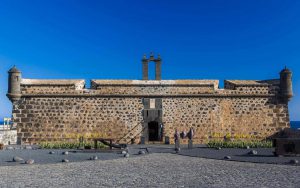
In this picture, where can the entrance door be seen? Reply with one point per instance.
(153, 131)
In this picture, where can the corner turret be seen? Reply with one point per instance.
(14, 84)
(286, 90)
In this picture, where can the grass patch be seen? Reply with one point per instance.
(69, 145)
(239, 144)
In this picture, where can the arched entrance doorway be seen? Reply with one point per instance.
(153, 130)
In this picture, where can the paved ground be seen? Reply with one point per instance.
(42, 156)
(264, 155)
(152, 170)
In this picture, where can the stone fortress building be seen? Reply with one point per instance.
(151, 110)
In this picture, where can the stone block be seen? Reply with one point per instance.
(287, 146)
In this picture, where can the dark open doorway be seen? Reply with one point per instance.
(153, 130)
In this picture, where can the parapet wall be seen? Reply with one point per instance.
(149, 88)
(34, 86)
(253, 86)
(152, 88)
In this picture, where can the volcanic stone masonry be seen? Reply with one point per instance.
(147, 110)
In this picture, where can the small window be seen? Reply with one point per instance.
(152, 103)
(17, 78)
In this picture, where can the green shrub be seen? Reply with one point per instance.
(69, 145)
(239, 144)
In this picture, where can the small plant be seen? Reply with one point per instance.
(1, 146)
(68, 145)
(239, 144)
(89, 145)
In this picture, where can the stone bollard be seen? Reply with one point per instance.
(252, 152)
(294, 161)
(94, 157)
(17, 159)
(30, 161)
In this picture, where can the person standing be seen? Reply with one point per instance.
(177, 141)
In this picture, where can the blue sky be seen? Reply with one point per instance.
(216, 39)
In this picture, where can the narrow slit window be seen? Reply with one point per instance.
(152, 103)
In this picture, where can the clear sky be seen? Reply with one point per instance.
(215, 39)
